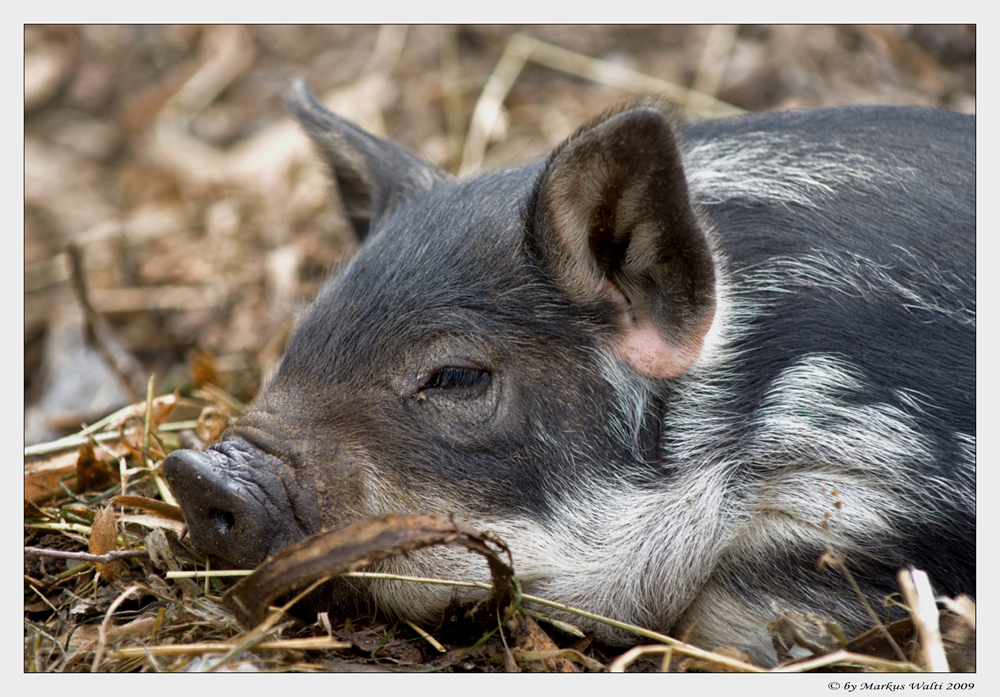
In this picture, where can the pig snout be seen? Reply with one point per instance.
(235, 506)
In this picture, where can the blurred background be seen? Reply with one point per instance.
(175, 220)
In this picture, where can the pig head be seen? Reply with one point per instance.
(459, 363)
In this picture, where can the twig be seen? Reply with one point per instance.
(69, 573)
(76, 440)
(84, 556)
(159, 508)
(521, 48)
(113, 418)
(83, 530)
(564, 627)
(510, 664)
(623, 78)
(678, 646)
(385, 55)
(147, 416)
(427, 637)
(838, 657)
(629, 657)
(209, 574)
(39, 632)
(123, 364)
(147, 419)
(840, 563)
(491, 99)
(44, 599)
(103, 636)
(919, 597)
(227, 52)
(306, 644)
(714, 58)
(451, 91)
(153, 298)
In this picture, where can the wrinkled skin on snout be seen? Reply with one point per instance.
(670, 376)
(242, 503)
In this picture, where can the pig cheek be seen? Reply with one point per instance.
(341, 490)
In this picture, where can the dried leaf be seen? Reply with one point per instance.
(552, 660)
(702, 665)
(159, 508)
(356, 546)
(104, 539)
(959, 636)
(211, 423)
(92, 474)
(163, 407)
(31, 510)
(202, 368)
(41, 479)
(794, 631)
(874, 641)
(534, 649)
(85, 637)
(154, 522)
(132, 441)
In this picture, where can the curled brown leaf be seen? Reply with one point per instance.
(354, 547)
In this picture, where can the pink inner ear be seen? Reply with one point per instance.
(643, 346)
(645, 349)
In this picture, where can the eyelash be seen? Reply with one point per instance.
(456, 378)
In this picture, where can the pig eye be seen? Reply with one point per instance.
(456, 378)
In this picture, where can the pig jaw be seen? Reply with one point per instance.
(236, 503)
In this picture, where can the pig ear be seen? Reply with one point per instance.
(612, 223)
(372, 175)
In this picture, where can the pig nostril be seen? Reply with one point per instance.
(222, 521)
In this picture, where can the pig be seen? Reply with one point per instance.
(673, 366)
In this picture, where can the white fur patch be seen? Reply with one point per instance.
(812, 442)
(858, 277)
(760, 166)
(618, 549)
